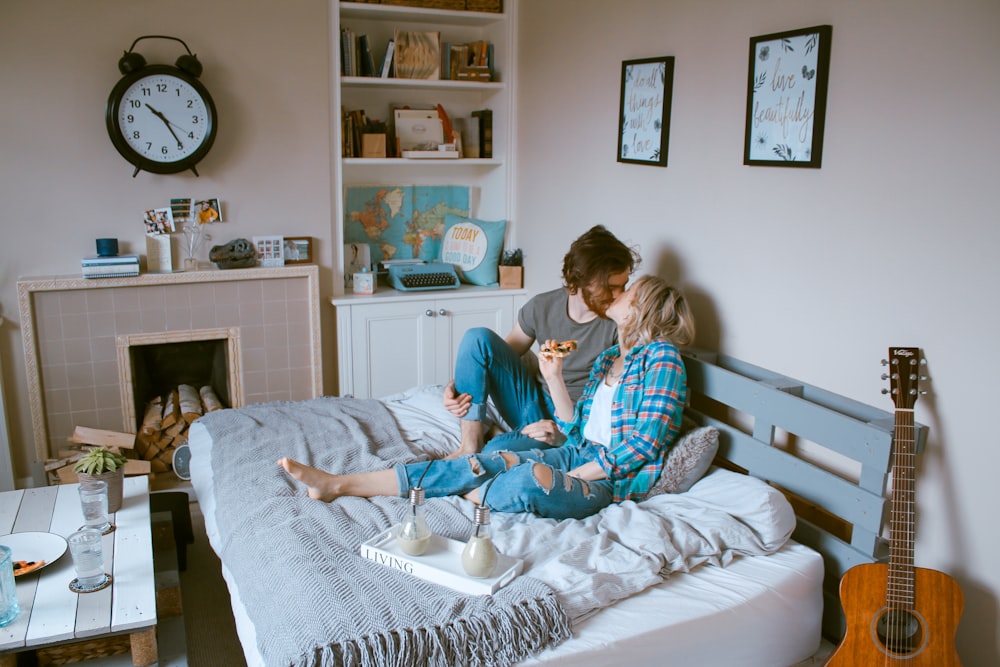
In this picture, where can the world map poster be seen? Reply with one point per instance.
(402, 221)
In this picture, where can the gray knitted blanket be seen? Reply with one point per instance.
(312, 598)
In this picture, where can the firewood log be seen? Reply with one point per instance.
(153, 417)
(210, 399)
(171, 410)
(190, 402)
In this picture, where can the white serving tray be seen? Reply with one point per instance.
(442, 564)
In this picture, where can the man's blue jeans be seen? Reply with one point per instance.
(487, 367)
(517, 488)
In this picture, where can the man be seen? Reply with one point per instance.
(595, 271)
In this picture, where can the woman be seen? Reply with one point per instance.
(617, 435)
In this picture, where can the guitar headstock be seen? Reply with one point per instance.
(904, 376)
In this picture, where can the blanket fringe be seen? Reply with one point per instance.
(520, 631)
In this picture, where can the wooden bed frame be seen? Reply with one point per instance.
(830, 455)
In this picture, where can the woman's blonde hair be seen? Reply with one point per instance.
(658, 311)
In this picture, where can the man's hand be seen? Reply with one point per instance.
(545, 431)
(455, 403)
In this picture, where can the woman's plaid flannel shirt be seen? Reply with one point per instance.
(645, 415)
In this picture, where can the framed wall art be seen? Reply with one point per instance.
(786, 98)
(298, 249)
(644, 114)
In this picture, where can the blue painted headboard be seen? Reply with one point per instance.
(830, 454)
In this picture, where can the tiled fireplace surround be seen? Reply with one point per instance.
(77, 332)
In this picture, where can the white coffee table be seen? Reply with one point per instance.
(51, 614)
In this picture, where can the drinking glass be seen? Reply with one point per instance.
(88, 559)
(94, 502)
(8, 590)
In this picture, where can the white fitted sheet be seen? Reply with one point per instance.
(764, 610)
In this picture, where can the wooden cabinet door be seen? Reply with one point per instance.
(455, 317)
(393, 347)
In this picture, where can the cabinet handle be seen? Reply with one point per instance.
(429, 313)
(442, 312)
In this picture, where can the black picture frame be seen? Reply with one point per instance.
(644, 111)
(787, 82)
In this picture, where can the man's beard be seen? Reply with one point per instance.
(597, 300)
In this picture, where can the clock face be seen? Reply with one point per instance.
(161, 120)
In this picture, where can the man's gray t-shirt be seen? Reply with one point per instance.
(546, 316)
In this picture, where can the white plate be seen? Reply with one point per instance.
(35, 546)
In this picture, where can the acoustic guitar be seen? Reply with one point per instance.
(898, 614)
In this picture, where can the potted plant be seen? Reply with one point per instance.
(101, 464)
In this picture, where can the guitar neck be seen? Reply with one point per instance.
(902, 525)
(900, 590)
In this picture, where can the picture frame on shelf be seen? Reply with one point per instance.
(644, 112)
(270, 250)
(787, 85)
(298, 249)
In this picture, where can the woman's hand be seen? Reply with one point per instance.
(550, 365)
(544, 431)
(455, 403)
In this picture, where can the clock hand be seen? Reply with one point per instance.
(166, 122)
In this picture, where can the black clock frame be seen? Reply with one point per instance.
(140, 161)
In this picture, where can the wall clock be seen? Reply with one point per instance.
(161, 118)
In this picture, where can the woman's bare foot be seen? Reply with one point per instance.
(321, 485)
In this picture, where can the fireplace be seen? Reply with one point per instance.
(97, 349)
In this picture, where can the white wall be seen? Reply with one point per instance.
(63, 185)
(812, 273)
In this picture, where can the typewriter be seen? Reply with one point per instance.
(432, 275)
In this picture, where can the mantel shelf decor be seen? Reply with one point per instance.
(786, 98)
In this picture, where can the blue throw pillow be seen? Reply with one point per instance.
(473, 247)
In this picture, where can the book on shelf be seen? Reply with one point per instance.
(386, 70)
(417, 54)
(485, 117)
(367, 61)
(117, 266)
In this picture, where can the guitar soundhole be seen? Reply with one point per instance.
(899, 632)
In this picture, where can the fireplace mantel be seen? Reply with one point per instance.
(71, 325)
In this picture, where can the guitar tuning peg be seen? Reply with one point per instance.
(885, 363)
(924, 378)
(885, 376)
(885, 391)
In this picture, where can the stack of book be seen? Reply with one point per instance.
(113, 266)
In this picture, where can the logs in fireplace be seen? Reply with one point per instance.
(166, 420)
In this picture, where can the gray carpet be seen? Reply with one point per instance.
(209, 627)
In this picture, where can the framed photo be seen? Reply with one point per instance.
(298, 249)
(270, 250)
(644, 114)
(786, 98)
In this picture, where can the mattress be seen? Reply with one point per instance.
(764, 610)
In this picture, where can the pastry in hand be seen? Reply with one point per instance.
(560, 349)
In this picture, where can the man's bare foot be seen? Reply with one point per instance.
(321, 485)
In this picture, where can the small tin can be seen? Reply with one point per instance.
(364, 282)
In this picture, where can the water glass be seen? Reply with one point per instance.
(8, 590)
(94, 502)
(88, 559)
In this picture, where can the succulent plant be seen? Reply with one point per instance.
(99, 460)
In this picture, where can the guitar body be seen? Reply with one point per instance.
(918, 637)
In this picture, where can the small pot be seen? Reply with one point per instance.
(115, 479)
